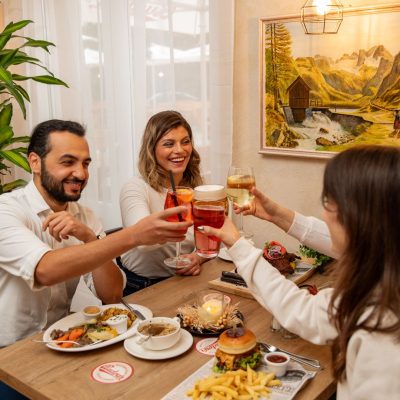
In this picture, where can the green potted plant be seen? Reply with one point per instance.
(13, 93)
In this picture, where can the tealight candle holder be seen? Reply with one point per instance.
(210, 305)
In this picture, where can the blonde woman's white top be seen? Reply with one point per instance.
(138, 200)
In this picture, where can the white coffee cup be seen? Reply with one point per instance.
(157, 340)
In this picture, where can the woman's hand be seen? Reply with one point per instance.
(228, 233)
(264, 208)
(194, 268)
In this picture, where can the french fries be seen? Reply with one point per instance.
(240, 385)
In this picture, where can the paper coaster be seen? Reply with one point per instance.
(207, 346)
(112, 372)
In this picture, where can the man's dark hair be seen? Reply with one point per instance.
(39, 142)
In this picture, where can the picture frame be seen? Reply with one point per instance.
(321, 94)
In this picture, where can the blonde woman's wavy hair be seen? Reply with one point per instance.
(158, 126)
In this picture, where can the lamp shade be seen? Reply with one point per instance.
(321, 16)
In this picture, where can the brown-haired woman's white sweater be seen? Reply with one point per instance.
(373, 359)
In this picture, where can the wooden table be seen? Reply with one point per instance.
(41, 373)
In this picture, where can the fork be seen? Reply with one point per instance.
(295, 357)
(65, 341)
(57, 341)
(133, 310)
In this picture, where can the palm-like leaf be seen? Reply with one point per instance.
(5, 115)
(10, 89)
(37, 43)
(20, 139)
(16, 158)
(15, 26)
(6, 134)
(49, 80)
(7, 187)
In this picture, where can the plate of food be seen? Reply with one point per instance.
(239, 366)
(91, 334)
(192, 321)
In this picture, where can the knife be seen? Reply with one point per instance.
(133, 310)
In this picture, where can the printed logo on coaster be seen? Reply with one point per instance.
(207, 346)
(112, 372)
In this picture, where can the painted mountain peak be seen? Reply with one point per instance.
(353, 80)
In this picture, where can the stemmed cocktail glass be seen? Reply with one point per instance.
(240, 181)
(181, 196)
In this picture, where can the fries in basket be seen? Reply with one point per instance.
(240, 385)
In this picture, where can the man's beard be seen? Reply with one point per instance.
(55, 188)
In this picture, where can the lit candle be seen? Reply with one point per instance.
(213, 308)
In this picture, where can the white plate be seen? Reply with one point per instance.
(183, 344)
(223, 253)
(78, 318)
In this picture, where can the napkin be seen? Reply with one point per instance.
(83, 297)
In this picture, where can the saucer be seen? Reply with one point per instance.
(223, 253)
(183, 344)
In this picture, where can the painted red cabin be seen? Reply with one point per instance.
(299, 98)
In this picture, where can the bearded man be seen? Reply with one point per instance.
(48, 240)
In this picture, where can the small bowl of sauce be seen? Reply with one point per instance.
(91, 312)
(277, 362)
(119, 323)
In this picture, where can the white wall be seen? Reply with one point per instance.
(294, 182)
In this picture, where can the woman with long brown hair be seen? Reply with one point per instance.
(167, 145)
(360, 315)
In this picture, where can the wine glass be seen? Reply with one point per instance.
(240, 181)
(181, 196)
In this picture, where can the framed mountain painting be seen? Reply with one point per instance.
(321, 94)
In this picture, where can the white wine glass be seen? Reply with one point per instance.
(240, 181)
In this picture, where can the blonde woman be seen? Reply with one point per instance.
(167, 145)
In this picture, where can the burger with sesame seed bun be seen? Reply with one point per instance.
(237, 349)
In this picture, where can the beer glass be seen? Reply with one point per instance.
(207, 213)
(240, 181)
(181, 196)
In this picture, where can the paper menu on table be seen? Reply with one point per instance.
(295, 378)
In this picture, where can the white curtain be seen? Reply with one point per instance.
(125, 60)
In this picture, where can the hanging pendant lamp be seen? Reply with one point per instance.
(321, 16)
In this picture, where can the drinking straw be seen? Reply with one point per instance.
(174, 198)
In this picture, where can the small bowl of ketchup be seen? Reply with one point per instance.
(277, 362)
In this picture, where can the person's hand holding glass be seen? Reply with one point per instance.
(181, 196)
(240, 181)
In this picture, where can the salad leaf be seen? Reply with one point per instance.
(320, 259)
(250, 361)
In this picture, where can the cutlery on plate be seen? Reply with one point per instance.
(66, 341)
(57, 341)
(301, 359)
(133, 310)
